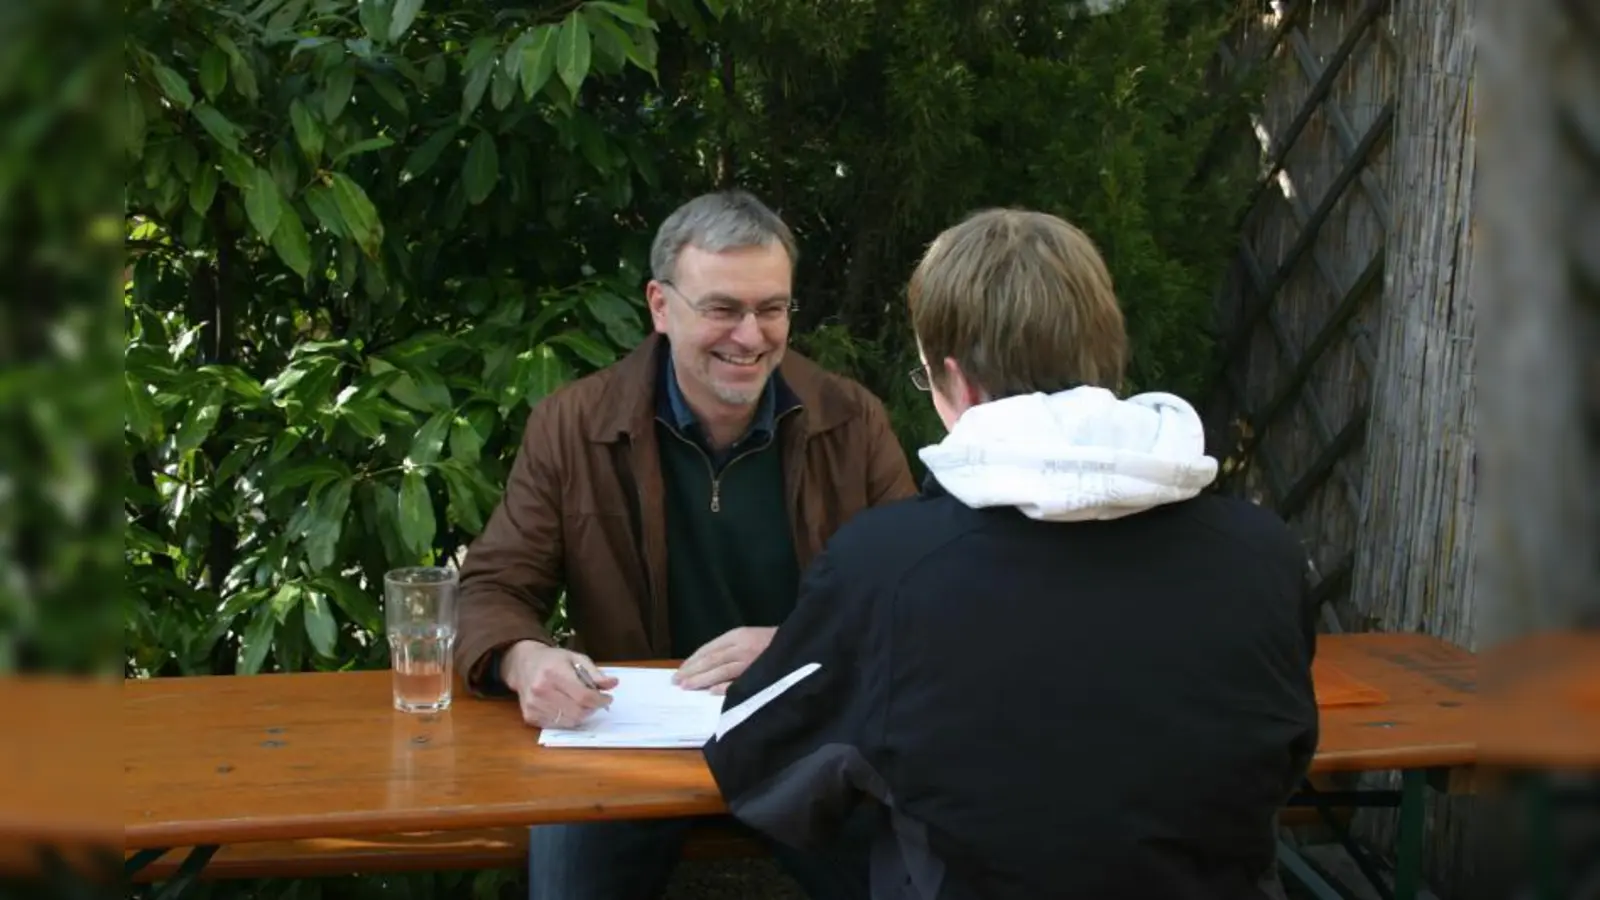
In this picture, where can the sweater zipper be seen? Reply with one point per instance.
(716, 479)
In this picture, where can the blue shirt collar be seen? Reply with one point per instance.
(763, 426)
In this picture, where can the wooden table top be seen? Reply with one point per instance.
(277, 757)
(1541, 703)
(1426, 718)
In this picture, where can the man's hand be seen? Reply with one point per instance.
(723, 659)
(547, 685)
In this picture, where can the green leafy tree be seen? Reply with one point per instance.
(365, 237)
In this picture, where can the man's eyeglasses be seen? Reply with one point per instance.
(731, 313)
(919, 378)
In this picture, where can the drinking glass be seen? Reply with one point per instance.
(419, 606)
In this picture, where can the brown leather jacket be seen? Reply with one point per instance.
(584, 508)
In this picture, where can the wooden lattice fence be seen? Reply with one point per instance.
(1344, 396)
(1298, 308)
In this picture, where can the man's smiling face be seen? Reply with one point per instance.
(727, 317)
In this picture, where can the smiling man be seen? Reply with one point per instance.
(675, 496)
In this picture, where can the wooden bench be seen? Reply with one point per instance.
(491, 848)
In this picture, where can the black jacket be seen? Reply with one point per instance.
(1106, 709)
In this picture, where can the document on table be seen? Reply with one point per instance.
(647, 711)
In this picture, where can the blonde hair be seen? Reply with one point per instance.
(1022, 301)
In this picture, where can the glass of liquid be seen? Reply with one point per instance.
(420, 616)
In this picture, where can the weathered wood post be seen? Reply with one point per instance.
(1414, 560)
(1538, 296)
(1538, 300)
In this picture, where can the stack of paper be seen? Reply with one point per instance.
(647, 711)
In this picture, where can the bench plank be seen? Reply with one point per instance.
(488, 848)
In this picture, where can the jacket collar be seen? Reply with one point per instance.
(629, 405)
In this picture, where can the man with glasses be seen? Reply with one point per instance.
(675, 497)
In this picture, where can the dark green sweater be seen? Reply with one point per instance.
(730, 554)
(730, 551)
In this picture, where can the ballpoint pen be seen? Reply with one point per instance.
(583, 676)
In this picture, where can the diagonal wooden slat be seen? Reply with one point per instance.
(1312, 227)
(1319, 417)
(1271, 472)
(1348, 438)
(1313, 101)
(1343, 132)
(1333, 328)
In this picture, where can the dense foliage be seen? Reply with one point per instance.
(364, 237)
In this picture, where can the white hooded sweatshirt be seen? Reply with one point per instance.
(1076, 455)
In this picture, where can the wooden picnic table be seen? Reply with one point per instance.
(221, 760)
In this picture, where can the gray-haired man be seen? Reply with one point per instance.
(676, 496)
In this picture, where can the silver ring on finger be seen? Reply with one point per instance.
(559, 714)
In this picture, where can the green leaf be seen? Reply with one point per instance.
(217, 125)
(356, 603)
(618, 317)
(572, 52)
(427, 153)
(429, 440)
(175, 87)
(358, 213)
(376, 16)
(284, 444)
(363, 417)
(633, 15)
(262, 204)
(213, 72)
(144, 419)
(477, 81)
(307, 130)
(420, 391)
(366, 146)
(416, 514)
(336, 91)
(244, 77)
(502, 88)
(466, 441)
(387, 92)
(538, 61)
(542, 371)
(481, 168)
(290, 241)
(312, 471)
(405, 12)
(320, 199)
(135, 121)
(256, 641)
(326, 523)
(233, 463)
(238, 169)
(186, 158)
(285, 171)
(592, 351)
(203, 189)
(284, 600)
(463, 499)
(320, 627)
(199, 421)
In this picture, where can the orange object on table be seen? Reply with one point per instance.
(1336, 687)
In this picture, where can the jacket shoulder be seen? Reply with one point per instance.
(839, 399)
(1250, 527)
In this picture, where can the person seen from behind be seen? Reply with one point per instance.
(1065, 669)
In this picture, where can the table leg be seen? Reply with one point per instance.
(191, 868)
(1408, 850)
(1298, 868)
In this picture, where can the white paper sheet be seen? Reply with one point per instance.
(731, 719)
(647, 711)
